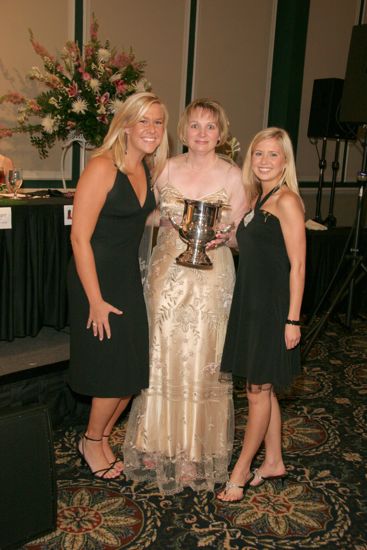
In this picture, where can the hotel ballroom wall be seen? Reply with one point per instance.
(233, 58)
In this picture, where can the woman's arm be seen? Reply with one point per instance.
(291, 216)
(93, 186)
(7, 164)
(237, 196)
(154, 217)
(238, 204)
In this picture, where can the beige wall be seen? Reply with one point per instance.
(158, 33)
(52, 24)
(234, 58)
(234, 48)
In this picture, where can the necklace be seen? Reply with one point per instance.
(259, 203)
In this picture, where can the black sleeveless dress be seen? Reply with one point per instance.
(120, 366)
(255, 344)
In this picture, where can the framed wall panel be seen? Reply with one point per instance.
(52, 24)
(234, 59)
(158, 33)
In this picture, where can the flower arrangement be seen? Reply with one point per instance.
(82, 95)
(231, 148)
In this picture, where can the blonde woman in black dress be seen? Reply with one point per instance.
(108, 321)
(263, 333)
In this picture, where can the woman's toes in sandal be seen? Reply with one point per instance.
(233, 492)
(115, 461)
(118, 464)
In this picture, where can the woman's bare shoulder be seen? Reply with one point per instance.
(178, 161)
(232, 174)
(289, 203)
(100, 172)
(6, 163)
(288, 198)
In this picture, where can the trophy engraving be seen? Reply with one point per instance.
(197, 228)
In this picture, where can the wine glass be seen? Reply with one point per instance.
(15, 180)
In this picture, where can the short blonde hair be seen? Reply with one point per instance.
(289, 177)
(128, 115)
(215, 108)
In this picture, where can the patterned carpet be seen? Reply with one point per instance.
(323, 504)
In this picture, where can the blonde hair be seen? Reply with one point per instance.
(132, 110)
(289, 176)
(215, 108)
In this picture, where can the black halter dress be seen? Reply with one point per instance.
(255, 342)
(120, 366)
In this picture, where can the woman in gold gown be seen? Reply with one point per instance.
(180, 430)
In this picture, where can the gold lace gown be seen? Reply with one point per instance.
(180, 430)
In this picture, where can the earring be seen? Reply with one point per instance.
(125, 142)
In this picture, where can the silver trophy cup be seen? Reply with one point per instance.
(197, 229)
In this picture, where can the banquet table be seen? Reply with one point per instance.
(34, 255)
(324, 251)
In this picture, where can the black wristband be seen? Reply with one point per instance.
(291, 322)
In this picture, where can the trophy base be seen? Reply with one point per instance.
(193, 257)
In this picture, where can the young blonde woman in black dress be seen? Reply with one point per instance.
(108, 322)
(263, 332)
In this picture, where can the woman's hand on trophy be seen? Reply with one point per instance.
(221, 239)
(225, 236)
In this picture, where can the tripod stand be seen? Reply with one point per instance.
(330, 221)
(356, 263)
(322, 167)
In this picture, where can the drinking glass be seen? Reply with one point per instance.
(15, 180)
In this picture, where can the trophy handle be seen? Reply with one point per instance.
(179, 229)
(174, 223)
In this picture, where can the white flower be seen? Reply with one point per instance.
(21, 118)
(103, 55)
(48, 124)
(143, 85)
(36, 74)
(101, 110)
(115, 105)
(94, 84)
(53, 101)
(22, 114)
(79, 106)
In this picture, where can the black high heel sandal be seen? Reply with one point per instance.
(279, 479)
(95, 473)
(117, 459)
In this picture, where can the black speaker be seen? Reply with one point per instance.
(27, 476)
(324, 121)
(354, 100)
